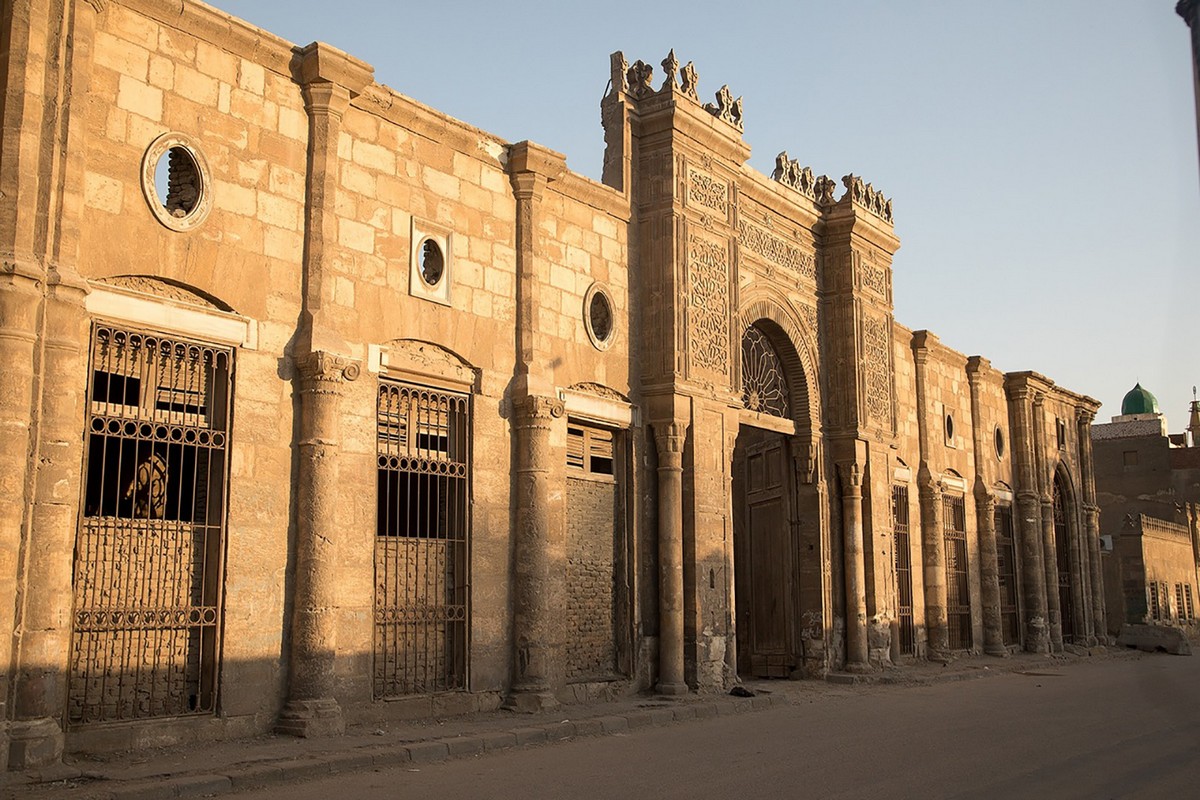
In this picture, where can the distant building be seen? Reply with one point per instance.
(1148, 488)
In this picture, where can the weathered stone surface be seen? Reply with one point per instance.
(1155, 638)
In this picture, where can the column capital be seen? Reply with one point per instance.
(1084, 417)
(850, 473)
(320, 367)
(538, 408)
(670, 437)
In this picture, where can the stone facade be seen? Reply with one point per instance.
(382, 477)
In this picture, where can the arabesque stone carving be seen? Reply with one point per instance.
(776, 250)
(708, 304)
(876, 343)
(708, 191)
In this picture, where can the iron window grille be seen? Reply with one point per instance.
(148, 555)
(958, 591)
(903, 562)
(422, 540)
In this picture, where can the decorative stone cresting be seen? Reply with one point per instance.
(789, 172)
(726, 108)
(867, 196)
(638, 81)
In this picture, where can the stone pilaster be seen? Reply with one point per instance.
(311, 709)
(1091, 523)
(329, 79)
(855, 569)
(670, 438)
(44, 614)
(933, 549)
(539, 559)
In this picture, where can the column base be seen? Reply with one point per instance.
(858, 668)
(34, 743)
(997, 650)
(531, 701)
(311, 718)
(671, 689)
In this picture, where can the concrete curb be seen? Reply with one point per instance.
(268, 773)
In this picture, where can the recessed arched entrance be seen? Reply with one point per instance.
(1063, 553)
(767, 507)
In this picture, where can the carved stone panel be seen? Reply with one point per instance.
(708, 303)
(776, 250)
(707, 191)
(874, 277)
(877, 383)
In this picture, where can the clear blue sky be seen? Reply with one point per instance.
(1041, 154)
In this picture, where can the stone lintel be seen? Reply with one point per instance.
(527, 156)
(323, 63)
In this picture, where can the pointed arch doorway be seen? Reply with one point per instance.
(767, 599)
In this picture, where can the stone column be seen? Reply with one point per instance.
(670, 437)
(20, 303)
(989, 571)
(1028, 524)
(311, 709)
(1046, 514)
(731, 662)
(1091, 523)
(933, 549)
(44, 614)
(539, 560)
(857, 659)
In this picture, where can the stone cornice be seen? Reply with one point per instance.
(319, 62)
(216, 27)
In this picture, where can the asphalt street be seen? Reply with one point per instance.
(1100, 729)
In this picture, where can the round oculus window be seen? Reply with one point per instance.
(175, 181)
(433, 262)
(598, 316)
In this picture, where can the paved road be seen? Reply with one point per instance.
(1104, 729)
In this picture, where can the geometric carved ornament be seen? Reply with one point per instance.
(708, 304)
(764, 388)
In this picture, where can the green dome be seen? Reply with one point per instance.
(1139, 401)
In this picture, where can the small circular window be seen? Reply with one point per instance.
(433, 263)
(999, 442)
(598, 316)
(949, 428)
(175, 181)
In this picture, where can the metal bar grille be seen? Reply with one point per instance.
(958, 593)
(1062, 549)
(421, 542)
(147, 571)
(1006, 557)
(904, 591)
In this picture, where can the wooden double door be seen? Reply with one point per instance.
(764, 556)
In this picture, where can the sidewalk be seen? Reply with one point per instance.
(201, 770)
